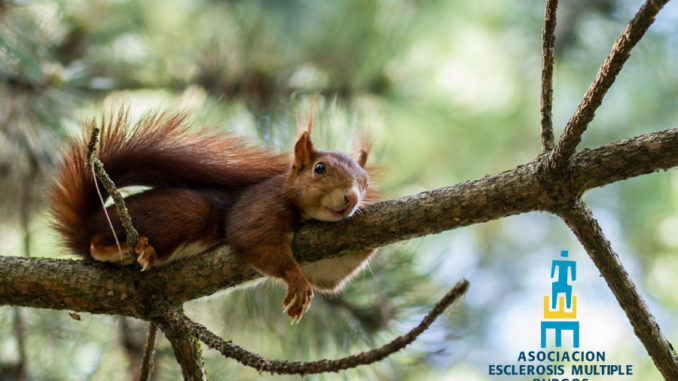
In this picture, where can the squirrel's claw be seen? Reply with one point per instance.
(146, 254)
(298, 299)
(287, 305)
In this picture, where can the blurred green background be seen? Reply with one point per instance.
(449, 92)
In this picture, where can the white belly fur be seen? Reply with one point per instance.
(184, 251)
(331, 275)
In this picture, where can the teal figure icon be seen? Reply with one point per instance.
(561, 286)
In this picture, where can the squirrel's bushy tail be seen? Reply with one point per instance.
(157, 151)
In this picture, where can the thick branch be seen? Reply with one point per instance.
(589, 233)
(548, 41)
(69, 285)
(101, 288)
(621, 50)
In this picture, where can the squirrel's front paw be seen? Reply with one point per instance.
(298, 298)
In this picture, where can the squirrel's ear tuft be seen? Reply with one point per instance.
(303, 151)
(310, 118)
(364, 146)
(362, 157)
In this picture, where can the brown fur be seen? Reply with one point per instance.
(208, 187)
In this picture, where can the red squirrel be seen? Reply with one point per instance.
(207, 187)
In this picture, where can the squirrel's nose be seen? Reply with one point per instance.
(351, 197)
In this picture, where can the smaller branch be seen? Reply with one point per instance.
(18, 327)
(147, 361)
(589, 233)
(131, 233)
(132, 344)
(548, 41)
(186, 349)
(621, 50)
(262, 364)
(25, 204)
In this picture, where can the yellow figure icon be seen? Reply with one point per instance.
(560, 313)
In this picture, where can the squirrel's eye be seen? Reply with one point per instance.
(320, 169)
(366, 185)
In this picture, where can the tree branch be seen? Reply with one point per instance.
(548, 41)
(19, 367)
(102, 288)
(595, 167)
(621, 50)
(149, 352)
(186, 349)
(180, 322)
(589, 233)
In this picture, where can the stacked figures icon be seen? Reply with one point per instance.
(560, 308)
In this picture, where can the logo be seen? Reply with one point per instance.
(564, 317)
(564, 361)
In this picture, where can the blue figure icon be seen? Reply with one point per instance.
(561, 285)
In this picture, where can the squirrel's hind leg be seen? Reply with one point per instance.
(173, 223)
(104, 251)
